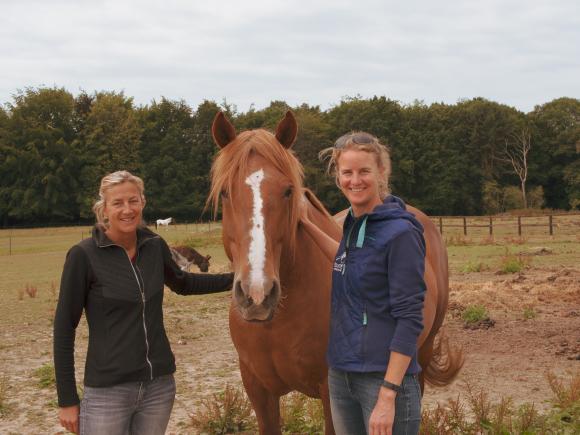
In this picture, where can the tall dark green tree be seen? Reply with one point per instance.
(556, 137)
(39, 165)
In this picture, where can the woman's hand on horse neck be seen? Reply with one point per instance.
(327, 244)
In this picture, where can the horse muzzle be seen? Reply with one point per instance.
(257, 302)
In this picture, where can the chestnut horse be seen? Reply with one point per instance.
(279, 314)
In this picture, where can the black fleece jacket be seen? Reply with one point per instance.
(122, 301)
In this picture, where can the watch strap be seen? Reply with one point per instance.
(391, 386)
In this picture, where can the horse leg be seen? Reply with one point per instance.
(325, 397)
(266, 405)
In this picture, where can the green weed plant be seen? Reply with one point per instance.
(45, 375)
(226, 412)
(474, 314)
(474, 267)
(4, 406)
(301, 414)
(510, 263)
(479, 415)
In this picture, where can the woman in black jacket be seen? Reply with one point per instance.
(117, 277)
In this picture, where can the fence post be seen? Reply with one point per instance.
(551, 225)
(490, 226)
(10, 245)
(464, 226)
(440, 224)
(519, 225)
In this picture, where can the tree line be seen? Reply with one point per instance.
(448, 159)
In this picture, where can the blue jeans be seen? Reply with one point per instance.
(353, 397)
(129, 408)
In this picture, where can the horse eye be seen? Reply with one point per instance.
(288, 192)
(224, 194)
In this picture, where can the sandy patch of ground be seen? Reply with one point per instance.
(508, 359)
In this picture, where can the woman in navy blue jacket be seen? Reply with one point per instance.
(377, 296)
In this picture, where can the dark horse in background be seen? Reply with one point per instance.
(279, 314)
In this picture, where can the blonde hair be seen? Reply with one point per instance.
(360, 141)
(107, 183)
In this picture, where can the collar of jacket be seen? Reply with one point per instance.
(100, 238)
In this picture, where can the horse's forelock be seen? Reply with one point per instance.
(231, 163)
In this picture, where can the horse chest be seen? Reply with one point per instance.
(277, 351)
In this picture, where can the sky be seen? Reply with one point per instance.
(250, 52)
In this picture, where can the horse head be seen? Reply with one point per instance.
(204, 263)
(259, 183)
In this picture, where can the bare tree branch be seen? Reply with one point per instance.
(516, 153)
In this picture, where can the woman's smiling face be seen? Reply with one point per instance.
(358, 178)
(124, 208)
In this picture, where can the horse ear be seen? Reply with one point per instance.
(222, 130)
(287, 130)
(207, 257)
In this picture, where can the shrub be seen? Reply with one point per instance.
(229, 411)
(471, 267)
(301, 414)
(529, 313)
(31, 290)
(474, 314)
(45, 375)
(513, 263)
(486, 417)
(4, 406)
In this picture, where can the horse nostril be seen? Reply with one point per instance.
(240, 297)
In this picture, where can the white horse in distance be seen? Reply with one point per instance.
(163, 222)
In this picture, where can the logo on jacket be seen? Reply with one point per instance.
(339, 263)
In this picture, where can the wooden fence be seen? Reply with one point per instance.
(552, 224)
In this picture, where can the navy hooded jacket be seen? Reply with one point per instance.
(377, 290)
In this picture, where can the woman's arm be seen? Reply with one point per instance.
(406, 268)
(71, 301)
(186, 283)
(327, 244)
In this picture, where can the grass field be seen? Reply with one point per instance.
(197, 327)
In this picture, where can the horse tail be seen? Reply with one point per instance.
(445, 362)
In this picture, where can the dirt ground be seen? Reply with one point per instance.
(510, 358)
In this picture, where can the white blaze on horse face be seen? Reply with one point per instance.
(257, 251)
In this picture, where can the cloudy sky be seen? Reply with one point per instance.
(516, 52)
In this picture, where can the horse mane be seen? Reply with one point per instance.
(231, 164)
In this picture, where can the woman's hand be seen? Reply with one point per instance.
(69, 418)
(383, 416)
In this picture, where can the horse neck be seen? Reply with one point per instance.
(197, 257)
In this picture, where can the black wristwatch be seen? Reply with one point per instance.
(391, 386)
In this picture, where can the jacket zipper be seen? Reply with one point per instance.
(144, 325)
(142, 291)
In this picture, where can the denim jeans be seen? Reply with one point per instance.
(353, 397)
(129, 408)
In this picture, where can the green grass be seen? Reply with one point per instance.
(529, 313)
(513, 264)
(4, 405)
(45, 376)
(474, 314)
(473, 267)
